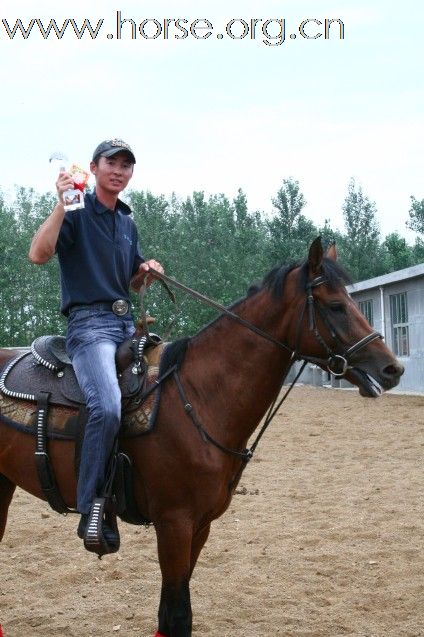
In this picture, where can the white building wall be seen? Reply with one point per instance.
(413, 378)
(380, 289)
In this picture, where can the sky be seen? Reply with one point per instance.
(221, 113)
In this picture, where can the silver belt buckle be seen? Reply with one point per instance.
(120, 307)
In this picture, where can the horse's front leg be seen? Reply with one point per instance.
(197, 544)
(174, 616)
(7, 489)
(174, 548)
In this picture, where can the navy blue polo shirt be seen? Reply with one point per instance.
(98, 253)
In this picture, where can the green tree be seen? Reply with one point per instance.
(360, 250)
(250, 249)
(205, 238)
(418, 250)
(30, 295)
(8, 237)
(328, 235)
(399, 255)
(290, 231)
(152, 216)
(213, 245)
(416, 215)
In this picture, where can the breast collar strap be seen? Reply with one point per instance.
(334, 359)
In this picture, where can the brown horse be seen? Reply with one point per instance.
(228, 375)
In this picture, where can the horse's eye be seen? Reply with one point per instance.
(337, 307)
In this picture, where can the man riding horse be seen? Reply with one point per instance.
(99, 260)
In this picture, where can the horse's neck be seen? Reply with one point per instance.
(235, 373)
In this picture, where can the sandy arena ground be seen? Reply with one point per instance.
(325, 537)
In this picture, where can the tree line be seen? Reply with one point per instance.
(213, 244)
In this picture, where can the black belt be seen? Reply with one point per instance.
(119, 307)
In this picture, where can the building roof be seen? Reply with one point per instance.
(393, 277)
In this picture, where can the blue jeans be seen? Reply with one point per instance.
(92, 339)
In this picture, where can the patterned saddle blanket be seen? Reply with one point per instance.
(46, 367)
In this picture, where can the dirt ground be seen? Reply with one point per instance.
(325, 537)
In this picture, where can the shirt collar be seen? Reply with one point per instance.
(100, 208)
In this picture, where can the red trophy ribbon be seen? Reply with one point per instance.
(80, 177)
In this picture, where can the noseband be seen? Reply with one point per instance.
(337, 363)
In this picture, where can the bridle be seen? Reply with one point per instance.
(336, 362)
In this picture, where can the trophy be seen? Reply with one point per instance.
(73, 199)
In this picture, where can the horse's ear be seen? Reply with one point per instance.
(331, 252)
(315, 256)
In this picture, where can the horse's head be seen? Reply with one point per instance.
(328, 329)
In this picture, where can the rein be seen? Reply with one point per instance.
(332, 362)
(221, 308)
(295, 354)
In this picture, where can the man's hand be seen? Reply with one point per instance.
(143, 274)
(63, 183)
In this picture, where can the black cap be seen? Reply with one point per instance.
(112, 147)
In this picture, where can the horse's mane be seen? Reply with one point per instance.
(332, 271)
(173, 354)
(273, 281)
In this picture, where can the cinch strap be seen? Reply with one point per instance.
(42, 461)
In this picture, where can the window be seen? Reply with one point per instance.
(367, 309)
(400, 328)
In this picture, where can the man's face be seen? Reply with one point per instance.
(113, 173)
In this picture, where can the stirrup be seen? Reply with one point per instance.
(102, 511)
